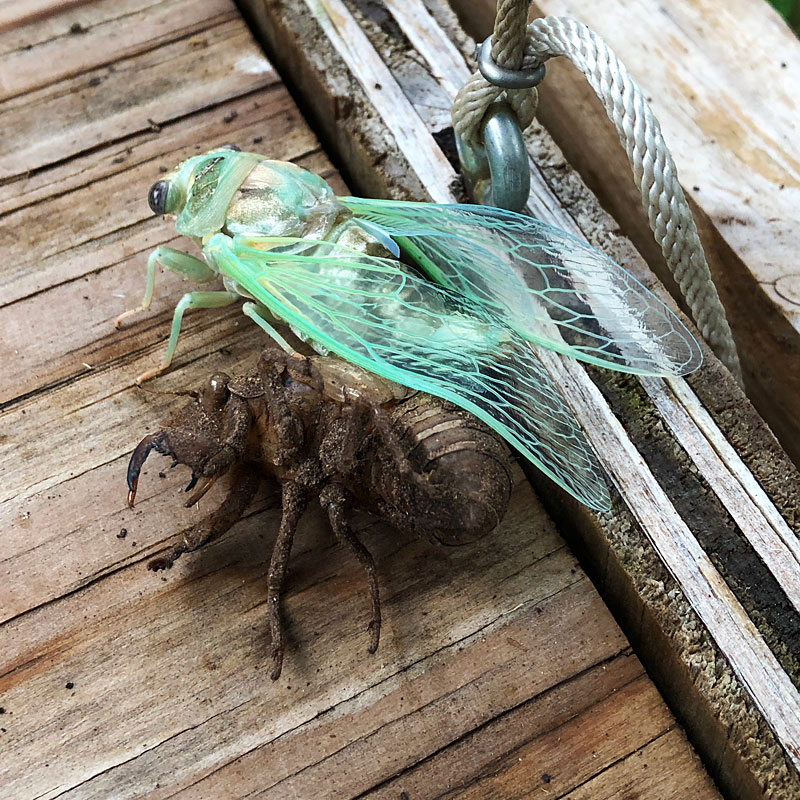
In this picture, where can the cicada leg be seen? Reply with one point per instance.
(189, 300)
(175, 261)
(257, 314)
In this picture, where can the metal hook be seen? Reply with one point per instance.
(498, 173)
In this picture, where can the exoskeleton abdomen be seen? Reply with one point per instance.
(463, 468)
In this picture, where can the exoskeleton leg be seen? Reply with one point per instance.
(175, 261)
(293, 502)
(336, 502)
(244, 483)
(189, 300)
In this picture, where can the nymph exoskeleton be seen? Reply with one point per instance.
(496, 283)
(324, 427)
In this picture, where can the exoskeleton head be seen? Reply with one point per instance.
(194, 438)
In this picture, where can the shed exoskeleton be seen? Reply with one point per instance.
(326, 428)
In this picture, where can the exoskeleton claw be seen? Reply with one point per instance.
(137, 460)
(201, 490)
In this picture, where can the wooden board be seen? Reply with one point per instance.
(499, 664)
(722, 80)
(705, 587)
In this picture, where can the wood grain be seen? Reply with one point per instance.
(115, 682)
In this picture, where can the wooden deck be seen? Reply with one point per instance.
(500, 673)
(699, 558)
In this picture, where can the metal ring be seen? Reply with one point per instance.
(497, 174)
(506, 78)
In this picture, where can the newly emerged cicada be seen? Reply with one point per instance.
(492, 283)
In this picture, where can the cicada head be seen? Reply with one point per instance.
(168, 195)
(199, 191)
(234, 192)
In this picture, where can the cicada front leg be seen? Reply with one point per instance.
(176, 261)
(189, 300)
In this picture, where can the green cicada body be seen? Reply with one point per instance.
(493, 283)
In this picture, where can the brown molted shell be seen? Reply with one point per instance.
(466, 462)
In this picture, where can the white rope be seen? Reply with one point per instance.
(654, 170)
(477, 94)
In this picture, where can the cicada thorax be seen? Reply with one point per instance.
(281, 199)
(278, 199)
(464, 472)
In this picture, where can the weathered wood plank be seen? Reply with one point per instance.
(721, 79)
(578, 753)
(410, 722)
(16, 13)
(546, 747)
(133, 24)
(709, 577)
(115, 682)
(75, 114)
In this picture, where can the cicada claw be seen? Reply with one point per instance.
(125, 314)
(150, 373)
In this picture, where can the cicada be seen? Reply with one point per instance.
(490, 287)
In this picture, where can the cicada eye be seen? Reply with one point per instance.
(157, 197)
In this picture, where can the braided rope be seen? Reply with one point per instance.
(477, 94)
(508, 40)
(654, 170)
(473, 100)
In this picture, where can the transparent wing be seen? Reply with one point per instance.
(378, 315)
(551, 287)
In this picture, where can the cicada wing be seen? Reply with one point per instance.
(379, 315)
(551, 287)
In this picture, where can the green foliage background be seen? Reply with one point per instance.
(789, 10)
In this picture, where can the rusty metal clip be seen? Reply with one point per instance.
(497, 174)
